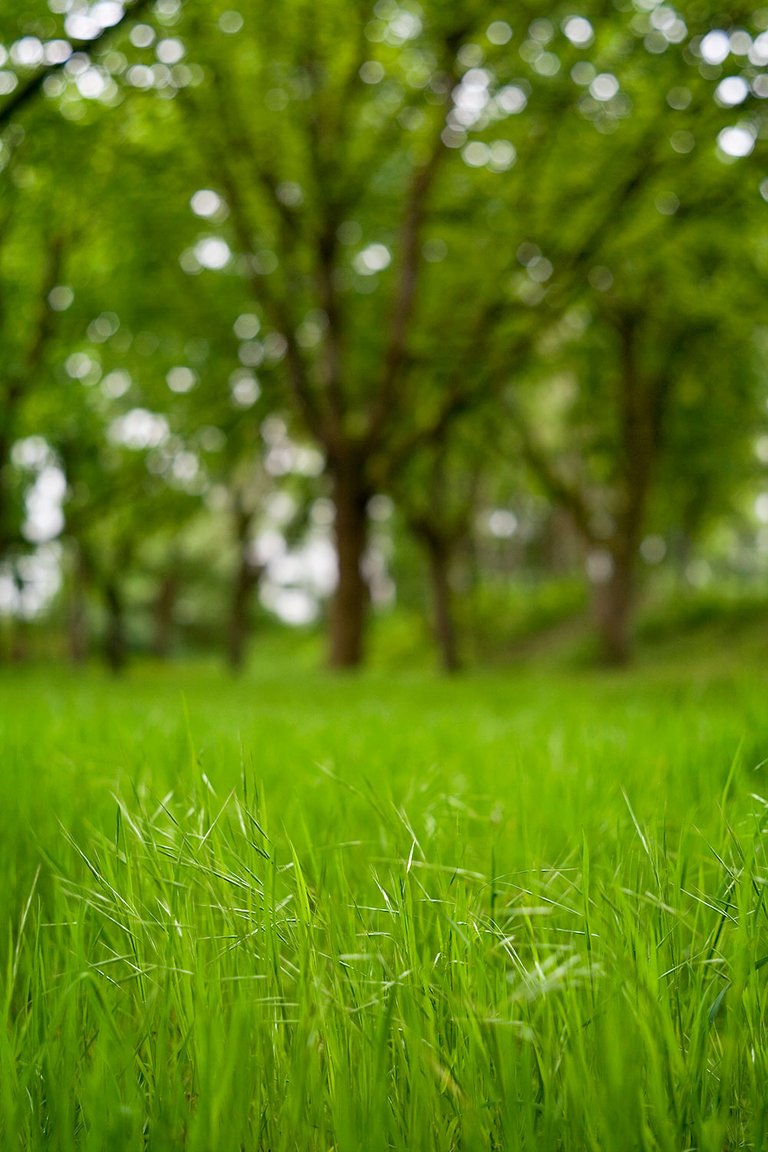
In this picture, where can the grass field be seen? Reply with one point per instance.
(512, 911)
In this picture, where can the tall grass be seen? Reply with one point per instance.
(384, 915)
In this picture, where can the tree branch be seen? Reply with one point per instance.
(405, 296)
(414, 211)
(471, 375)
(276, 308)
(234, 141)
(27, 92)
(567, 495)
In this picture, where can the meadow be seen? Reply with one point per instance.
(521, 909)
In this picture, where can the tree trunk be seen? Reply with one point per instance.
(613, 606)
(77, 624)
(19, 627)
(114, 643)
(642, 402)
(238, 620)
(5, 533)
(439, 556)
(247, 577)
(164, 610)
(350, 601)
(246, 580)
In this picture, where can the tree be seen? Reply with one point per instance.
(653, 271)
(30, 267)
(439, 492)
(638, 381)
(425, 204)
(332, 201)
(37, 67)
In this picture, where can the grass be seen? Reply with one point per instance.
(304, 913)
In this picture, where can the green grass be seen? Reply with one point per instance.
(305, 913)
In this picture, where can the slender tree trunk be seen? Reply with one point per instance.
(164, 611)
(246, 580)
(19, 627)
(4, 495)
(642, 404)
(247, 577)
(77, 624)
(115, 649)
(439, 554)
(614, 609)
(349, 606)
(238, 619)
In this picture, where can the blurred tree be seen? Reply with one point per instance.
(627, 392)
(328, 146)
(38, 54)
(30, 268)
(438, 491)
(653, 273)
(425, 203)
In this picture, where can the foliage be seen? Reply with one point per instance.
(378, 227)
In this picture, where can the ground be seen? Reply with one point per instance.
(520, 909)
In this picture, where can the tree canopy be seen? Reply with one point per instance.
(262, 267)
